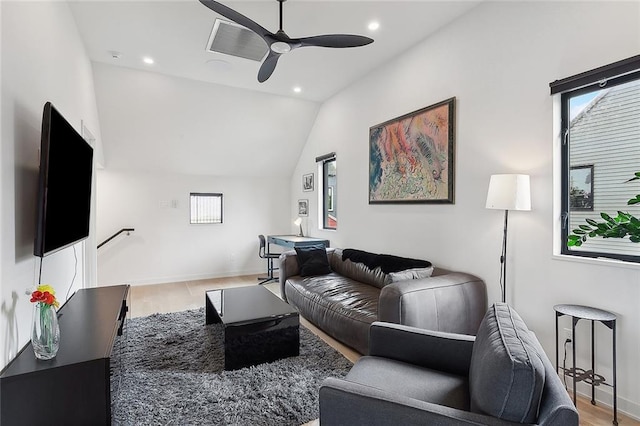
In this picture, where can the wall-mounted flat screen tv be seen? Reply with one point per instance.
(64, 185)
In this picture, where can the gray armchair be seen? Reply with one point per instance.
(419, 377)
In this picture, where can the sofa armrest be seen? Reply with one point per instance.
(454, 303)
(347, 403)
(431, 349)
(288, 268)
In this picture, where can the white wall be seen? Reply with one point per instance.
(497, 61)
(43, 59)
(155, 122)
(164, 246)
(165, 137)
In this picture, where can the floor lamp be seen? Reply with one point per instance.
(508, 192)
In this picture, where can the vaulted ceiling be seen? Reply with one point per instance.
(175, 35)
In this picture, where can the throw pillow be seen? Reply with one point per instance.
(506, 376)
(312, 260)
(410, 274)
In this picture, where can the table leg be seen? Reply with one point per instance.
(573, 350)
(593, 363)
(615, 389)
(557, 363)
(208, 309)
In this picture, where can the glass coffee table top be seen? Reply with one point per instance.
(248, 304)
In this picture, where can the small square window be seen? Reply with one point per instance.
(206, 208)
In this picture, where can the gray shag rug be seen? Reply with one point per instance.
(172, 373)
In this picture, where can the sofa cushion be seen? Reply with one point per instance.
(340, 306)
(507, 374)
(312, 260)
(412, 381)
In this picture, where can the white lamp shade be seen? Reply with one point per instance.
(509, 192)
(297, 222)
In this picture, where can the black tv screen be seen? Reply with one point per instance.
(64, 185)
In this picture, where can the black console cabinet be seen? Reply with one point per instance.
(74, 388)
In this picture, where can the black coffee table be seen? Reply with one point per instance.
(258, 326)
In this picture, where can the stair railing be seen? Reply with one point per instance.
(127, 230)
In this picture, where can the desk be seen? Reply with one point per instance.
(293, 241)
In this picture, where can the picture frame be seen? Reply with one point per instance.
(303, 207)
(307, 182)
(411, 157)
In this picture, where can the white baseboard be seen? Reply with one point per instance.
(604, 398)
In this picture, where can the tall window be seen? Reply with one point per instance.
(206, 208)
(327, 169)
(600, 157)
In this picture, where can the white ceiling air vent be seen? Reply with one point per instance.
(235, 40)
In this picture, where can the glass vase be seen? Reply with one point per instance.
(45, 334)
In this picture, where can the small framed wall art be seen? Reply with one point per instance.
(307, 182)
(411, 158)
(303, 207)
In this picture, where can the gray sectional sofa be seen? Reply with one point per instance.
(346, 301)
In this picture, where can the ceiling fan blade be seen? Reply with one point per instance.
(236, 17)
(267, 67)
(334, 40)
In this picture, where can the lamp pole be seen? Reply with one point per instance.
(503, 260)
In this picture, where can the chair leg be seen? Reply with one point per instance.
(272, 269)
(269, 276)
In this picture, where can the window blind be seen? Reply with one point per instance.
(206, 208)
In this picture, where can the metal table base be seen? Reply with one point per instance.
(578, 312)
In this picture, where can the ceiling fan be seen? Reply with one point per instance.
(279, 42)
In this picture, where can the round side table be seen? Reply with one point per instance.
(577, 313)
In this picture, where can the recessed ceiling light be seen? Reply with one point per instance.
(297, 89)
(374, 25)
(148, 60)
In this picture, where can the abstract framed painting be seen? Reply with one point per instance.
(411, 158)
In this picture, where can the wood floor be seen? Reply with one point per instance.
(175, 297)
